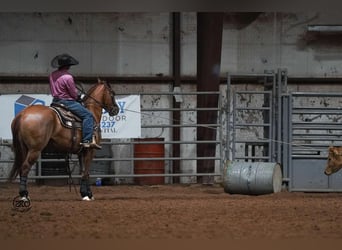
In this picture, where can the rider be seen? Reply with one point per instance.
(63, 90)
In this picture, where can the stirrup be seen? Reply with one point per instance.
(85, 144)
(90, 145)
(93, 144)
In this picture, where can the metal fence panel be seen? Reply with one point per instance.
(116, 160)
(314, 126)
(252, 119)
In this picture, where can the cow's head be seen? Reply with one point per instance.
(334, 160)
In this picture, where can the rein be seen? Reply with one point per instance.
(86, 95)
(70, 179)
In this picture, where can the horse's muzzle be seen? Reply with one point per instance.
(114, 111)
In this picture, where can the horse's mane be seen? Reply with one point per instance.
(92, 89)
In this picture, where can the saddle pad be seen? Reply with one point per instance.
(66, 117)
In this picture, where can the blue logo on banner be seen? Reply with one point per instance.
(24, 101)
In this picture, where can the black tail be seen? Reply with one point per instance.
(18, 147)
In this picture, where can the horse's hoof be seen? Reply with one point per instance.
(86, 198)
(24, 198)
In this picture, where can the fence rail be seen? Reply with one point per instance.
(117, 152)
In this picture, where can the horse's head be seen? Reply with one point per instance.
(334, 162)
(104, 96)
(109, 103)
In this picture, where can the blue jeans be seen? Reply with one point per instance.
(86, 116)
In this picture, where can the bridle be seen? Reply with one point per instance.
(334, 151)
(336, 154)
(113, 109)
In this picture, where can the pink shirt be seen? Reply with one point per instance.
(62, 85)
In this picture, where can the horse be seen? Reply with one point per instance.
(334, 162)
(38, 128)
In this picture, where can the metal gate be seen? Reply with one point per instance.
(253, 127)
(312, 123)
(293, 129)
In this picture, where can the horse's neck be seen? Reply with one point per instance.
(95, 106)
(96, 110)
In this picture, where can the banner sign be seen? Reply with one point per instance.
(126, 124)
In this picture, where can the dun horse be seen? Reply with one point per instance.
(38, 127)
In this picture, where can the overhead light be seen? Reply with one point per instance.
(325, 28)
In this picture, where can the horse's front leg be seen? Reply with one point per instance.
(85, 158)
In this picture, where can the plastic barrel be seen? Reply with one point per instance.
(252, 178)
(150, 150)
(52, 168)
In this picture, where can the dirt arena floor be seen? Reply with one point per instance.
(169, 212)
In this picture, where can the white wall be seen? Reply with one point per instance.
(280, 40)
(104, 43)
(273, 40)
(138, 44)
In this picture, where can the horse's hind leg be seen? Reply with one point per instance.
(31, 158)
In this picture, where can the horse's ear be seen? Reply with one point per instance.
(333, 150)
(98, 80)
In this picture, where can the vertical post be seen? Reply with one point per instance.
(209, 44)
(176, 83)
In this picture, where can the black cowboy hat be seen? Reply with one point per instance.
(63, 60)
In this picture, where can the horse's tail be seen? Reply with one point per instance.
(19, 149)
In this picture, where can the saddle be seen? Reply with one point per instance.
(66, 117)
(71, 121)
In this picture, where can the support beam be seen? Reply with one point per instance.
(209, 44)
(177, 79)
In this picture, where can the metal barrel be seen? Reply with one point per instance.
(150, 150)
(252, 178)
